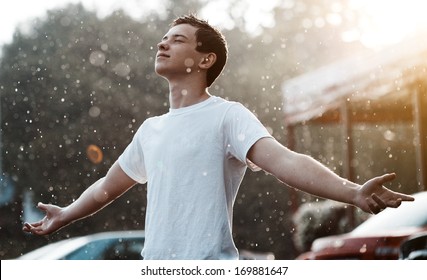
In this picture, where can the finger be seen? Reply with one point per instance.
(379, 201)
(30, 226)
(26, 227)
(385, 178)
(373, 207)
(37, 231)
(36, 224)
(405, 197)
(42, 206)
(396, 203)
(34, 230)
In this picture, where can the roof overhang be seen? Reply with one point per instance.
(364, 77)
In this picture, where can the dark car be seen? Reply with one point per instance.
(379, 237)
(114, 245)
(414, 248)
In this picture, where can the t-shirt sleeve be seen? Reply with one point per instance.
(242, 130)
(132, 159)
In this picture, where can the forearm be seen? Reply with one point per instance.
(90, 201)
(306, 174)
(93, 199)
(98, 195)
(301, 171)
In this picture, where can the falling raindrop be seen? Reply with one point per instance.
(94, 111)
(97, 58)
(121, 69)
(189, 62)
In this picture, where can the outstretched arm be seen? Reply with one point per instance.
(304, 173)
(93, 199)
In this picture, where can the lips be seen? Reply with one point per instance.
(162, 55)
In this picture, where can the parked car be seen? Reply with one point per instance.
(414, 248)
(379, 237)
(114, 245)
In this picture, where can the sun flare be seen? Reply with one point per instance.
(386, 22)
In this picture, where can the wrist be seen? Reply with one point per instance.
(65, 216)
(355, 195)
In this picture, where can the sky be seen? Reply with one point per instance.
(14, 13)
(390, 21)
(386, 21)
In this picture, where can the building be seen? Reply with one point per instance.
(381, 93)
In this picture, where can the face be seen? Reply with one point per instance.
(177, 53)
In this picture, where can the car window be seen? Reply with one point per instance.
(109, 249)
(125, 249)
(409, 214)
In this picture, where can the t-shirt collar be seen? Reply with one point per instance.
(191, 107)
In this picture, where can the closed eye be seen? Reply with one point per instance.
(176, 38)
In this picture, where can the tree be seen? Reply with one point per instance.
(76, 81)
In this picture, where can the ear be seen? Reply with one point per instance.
(207, 61)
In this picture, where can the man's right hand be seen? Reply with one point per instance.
(51, 222)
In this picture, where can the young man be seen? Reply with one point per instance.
(194, 158)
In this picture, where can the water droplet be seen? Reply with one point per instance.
(121, 69)
(94, 111)
(188, 62)
(97, 58)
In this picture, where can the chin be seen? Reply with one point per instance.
(159, 70)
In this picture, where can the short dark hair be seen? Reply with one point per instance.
(209, 39)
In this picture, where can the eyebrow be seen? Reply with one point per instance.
(175, 36)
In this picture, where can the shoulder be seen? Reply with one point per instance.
(148, 124)
(153, 120)
(228, 106)
(238, 111)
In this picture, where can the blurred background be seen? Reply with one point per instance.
(77, 79)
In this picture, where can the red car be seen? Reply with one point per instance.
(378, 238)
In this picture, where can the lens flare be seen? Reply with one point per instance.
(94, 154)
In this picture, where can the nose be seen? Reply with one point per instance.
(162, 46)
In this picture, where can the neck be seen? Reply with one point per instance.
(186, 94)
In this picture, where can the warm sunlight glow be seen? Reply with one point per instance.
(381, 22)
(257, 14)
(389, 21)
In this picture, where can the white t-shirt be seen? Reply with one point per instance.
(193, 159)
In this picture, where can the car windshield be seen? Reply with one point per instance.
(409, 214)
